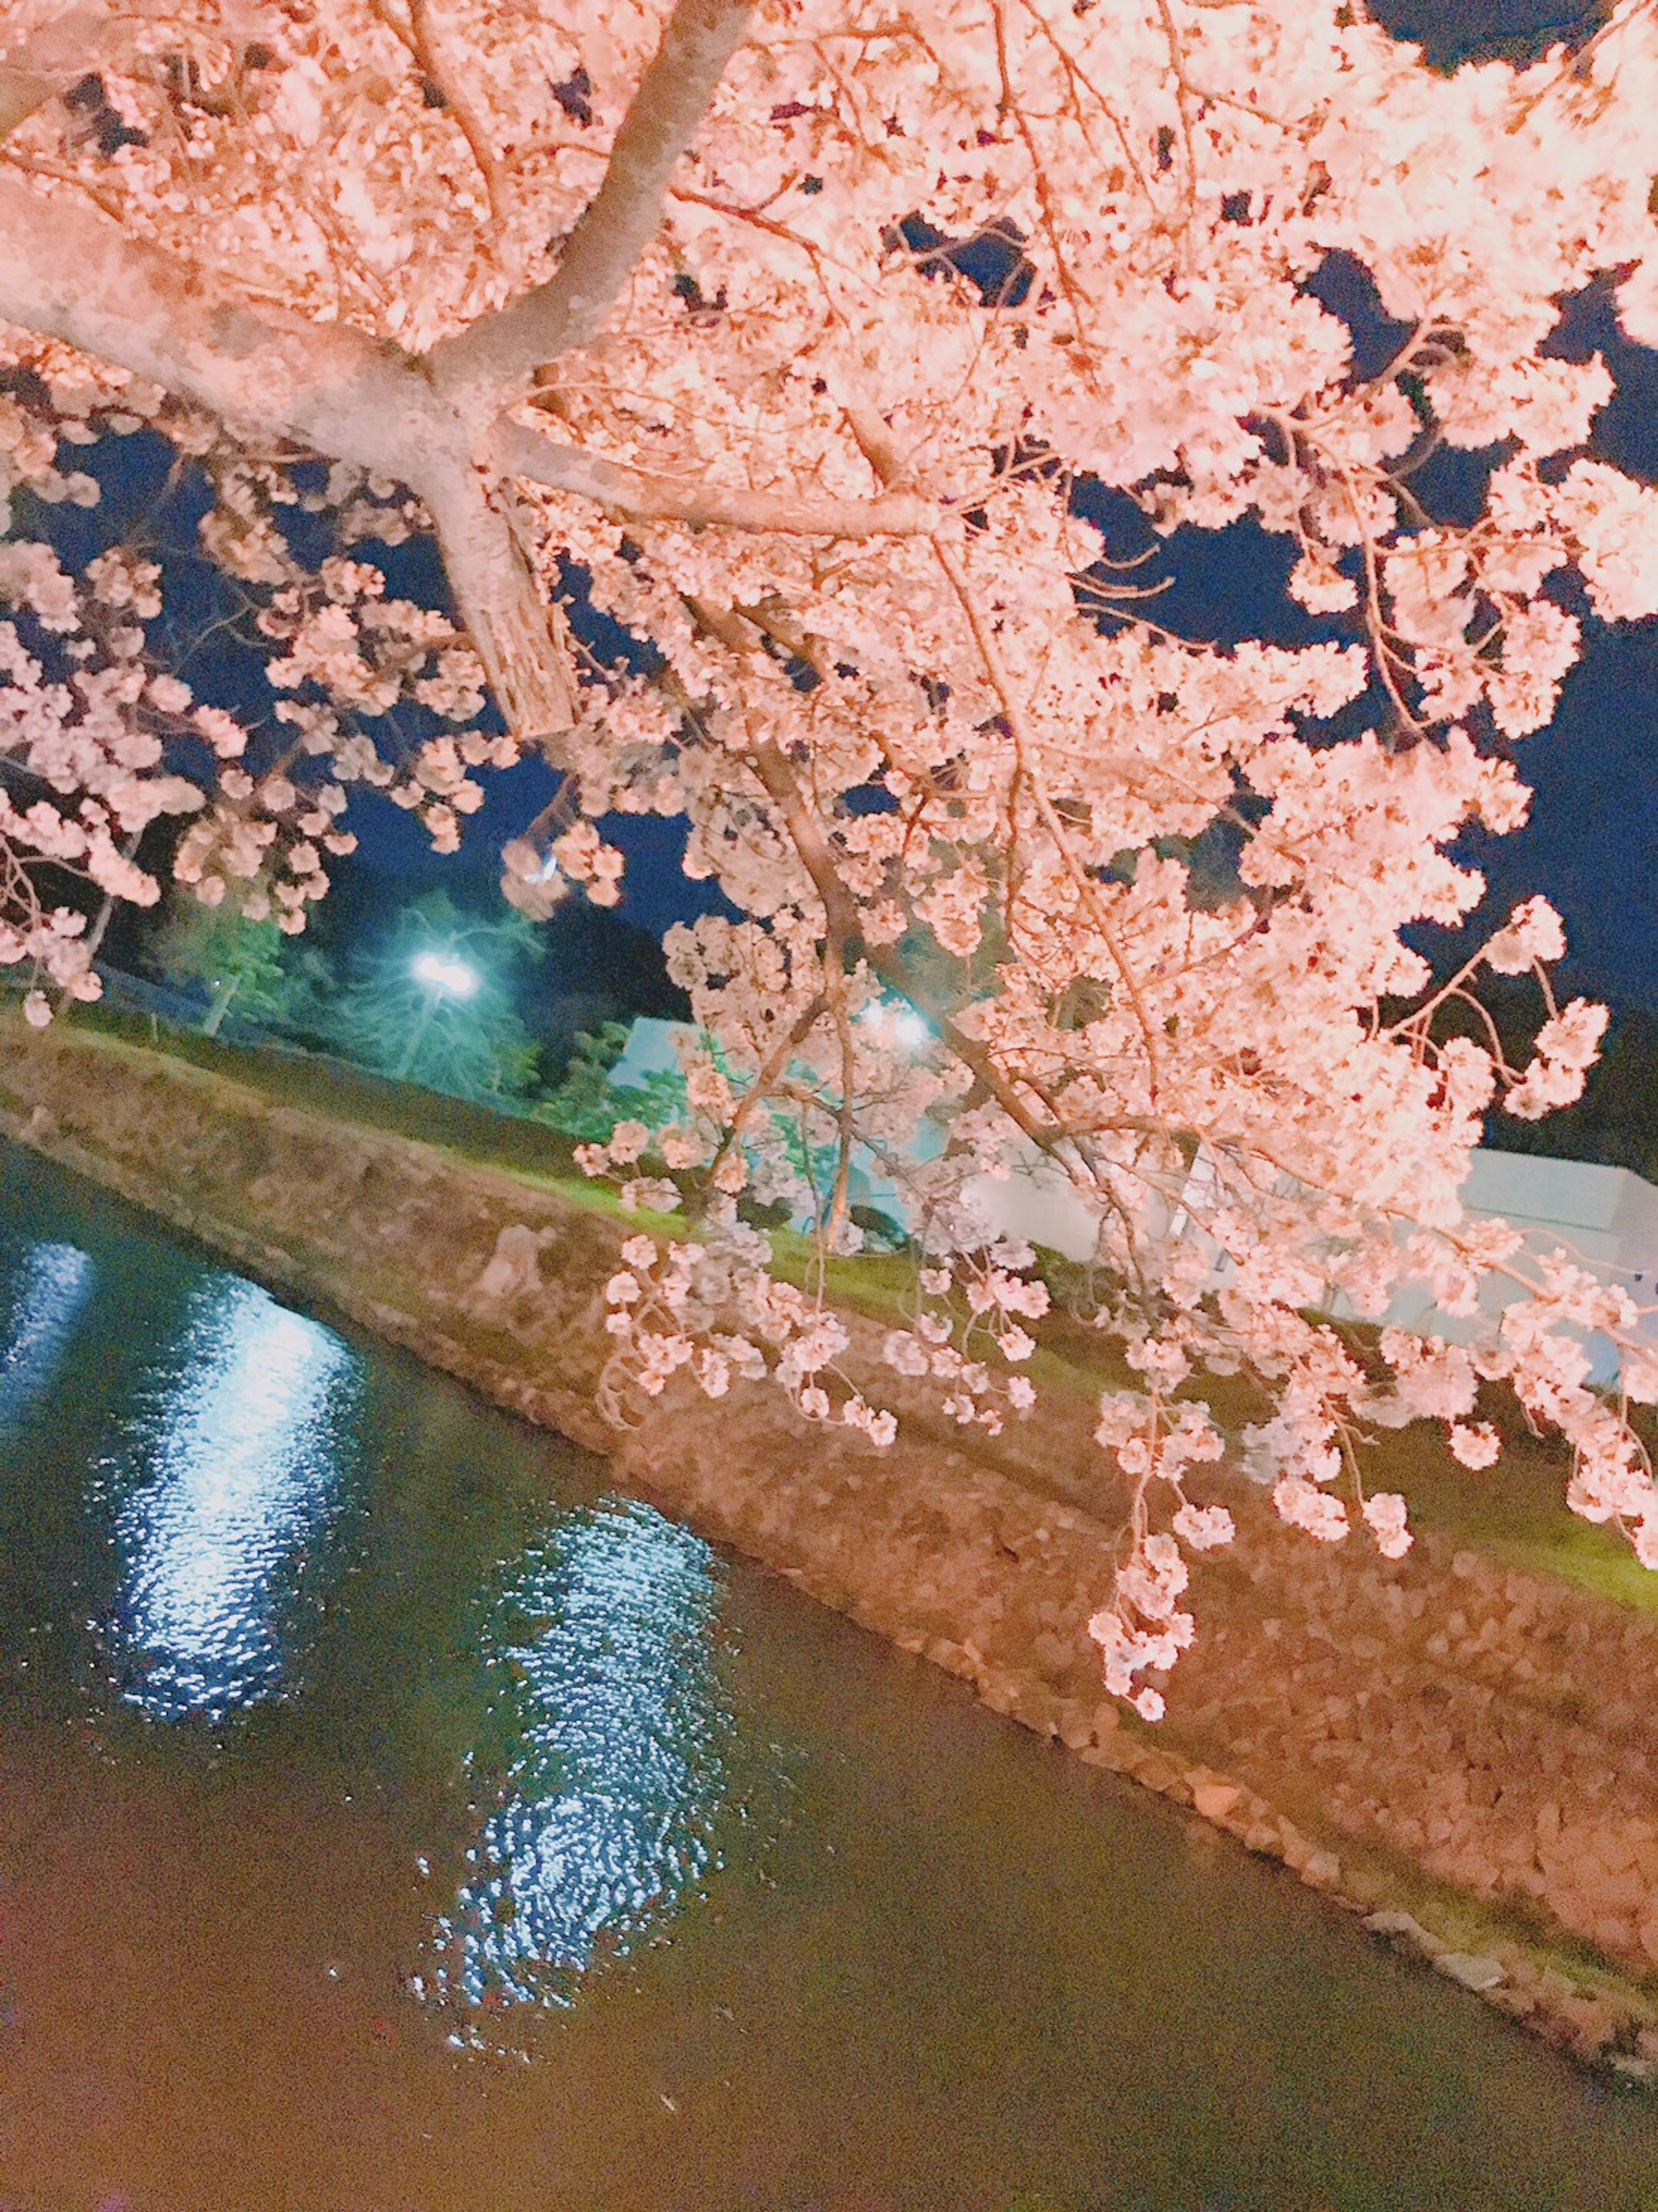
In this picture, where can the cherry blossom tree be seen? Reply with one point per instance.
(811, 350)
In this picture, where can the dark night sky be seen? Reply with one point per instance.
(1589, 844)
(654, 893)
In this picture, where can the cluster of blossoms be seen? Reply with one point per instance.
(1154, 1443)
(583, 857)
(625, 1147)
(1145, 1630)
(92, 713)
(86, 712)
(712, 1307)
(792, 487)
(972, 1334)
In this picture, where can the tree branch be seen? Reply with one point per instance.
(69, 272)
(488, 366)
(777, 780)
(645, 496)
(421, 42)
(36, 71)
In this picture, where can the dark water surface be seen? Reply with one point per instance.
(392, 1820)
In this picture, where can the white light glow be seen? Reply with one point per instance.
(619, 1730)
(236, 1467)
(899, 1028)
(52, 1287)
(442, 973)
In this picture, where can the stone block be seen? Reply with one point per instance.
(513, 1270)
(1215, 1800)
(1592, 2022)
(1404, 1928)
(1620, 1894)
(1519, 2004)
(1469, 1971)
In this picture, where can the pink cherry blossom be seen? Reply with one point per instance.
(752, 516)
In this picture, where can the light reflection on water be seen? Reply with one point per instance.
(51, 1286)
(617, 1735)
(236, 1458)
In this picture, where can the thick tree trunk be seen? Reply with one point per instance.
(69, 272)
(505, 607)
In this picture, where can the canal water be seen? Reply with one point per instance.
(394, 1820)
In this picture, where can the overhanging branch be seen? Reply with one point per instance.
(488, 366)
(420, 39)
(645, 496)
(69, 272)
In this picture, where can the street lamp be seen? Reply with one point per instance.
(897, 1026)
(446, 978)
(444, 975)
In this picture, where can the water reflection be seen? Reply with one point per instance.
(613, 1734)
(51, 1286)
(242, 1452)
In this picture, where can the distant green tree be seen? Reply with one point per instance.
(434, 1002)
(587, 1104)
(249, 968)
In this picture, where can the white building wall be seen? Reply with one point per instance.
(1607, 1217)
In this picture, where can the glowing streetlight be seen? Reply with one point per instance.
(439, 971)
(446, 978)
(898, 1027)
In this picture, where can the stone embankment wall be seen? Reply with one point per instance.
(1498, 1730)
(1368, 1724)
